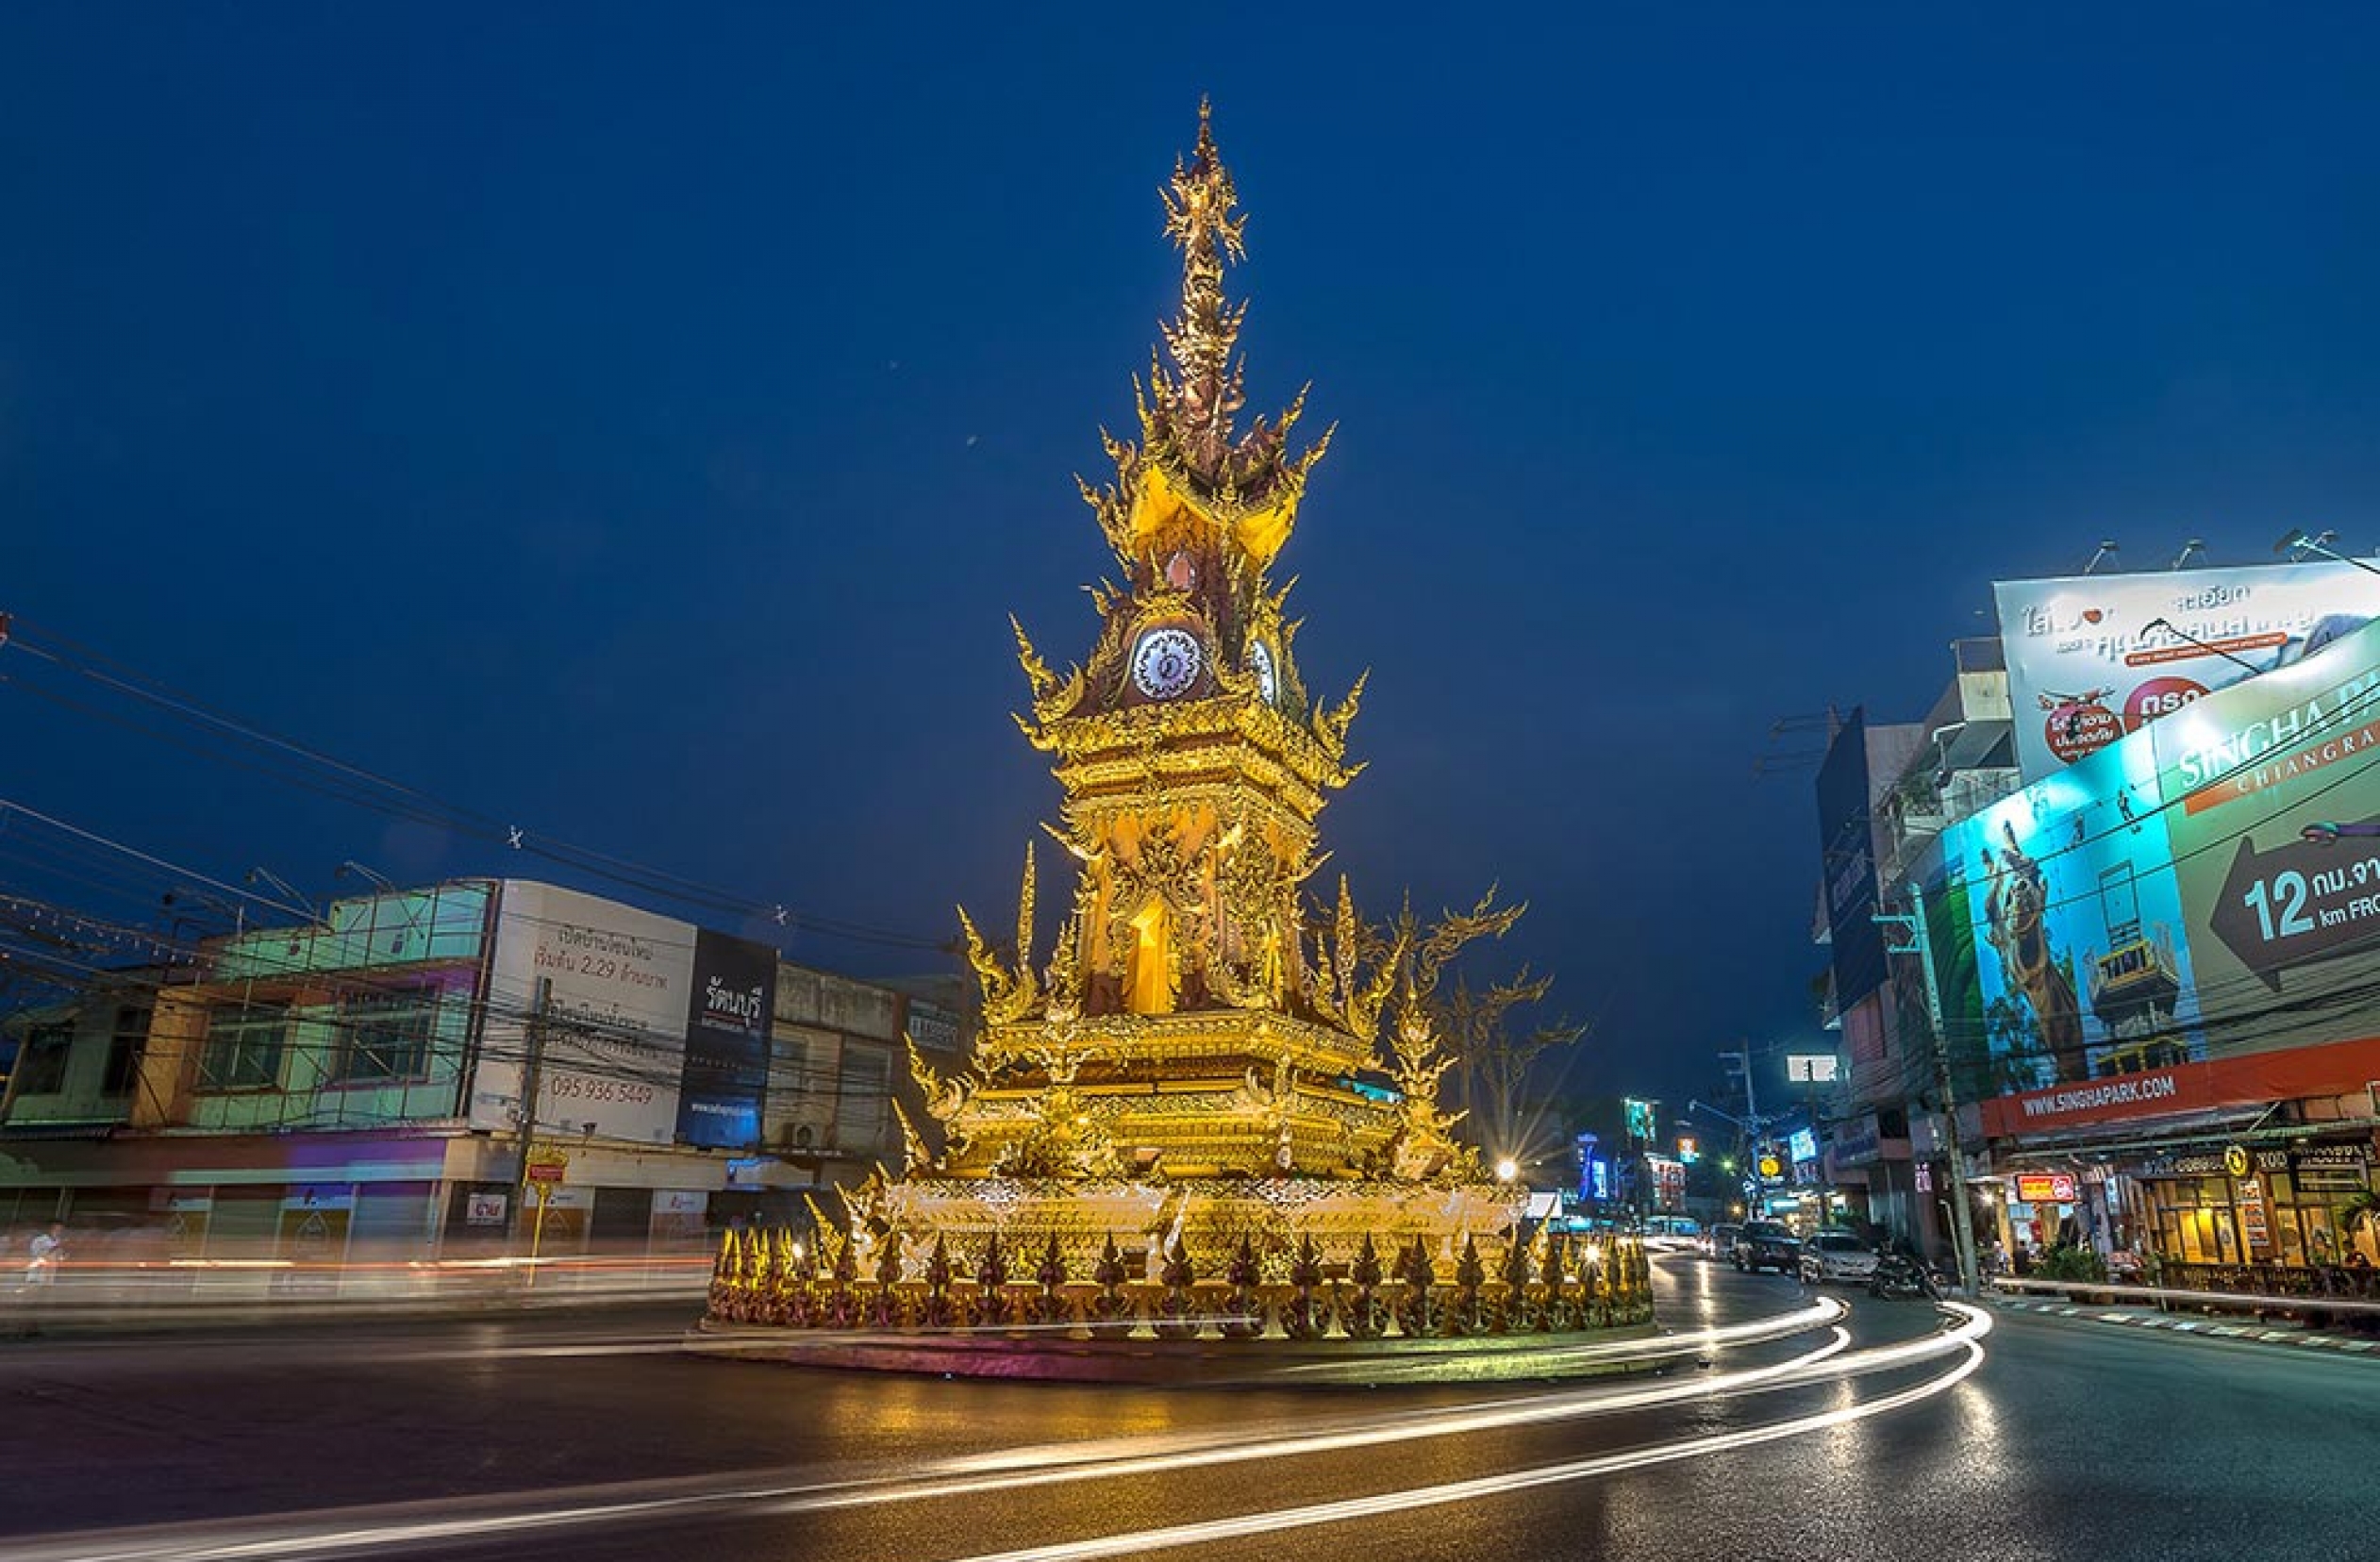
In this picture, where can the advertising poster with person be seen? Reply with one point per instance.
(2079, 935)
(2206, 888)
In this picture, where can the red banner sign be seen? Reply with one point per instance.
(2046, 1188)
(2338, 1069)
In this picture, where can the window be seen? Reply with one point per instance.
(243, 1047)
(41, 1067)
(385, 1036)
(866, 1085)
(124, 1047)
(794, 1069)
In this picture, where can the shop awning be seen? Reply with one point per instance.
(2180, 1130)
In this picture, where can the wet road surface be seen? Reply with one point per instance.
(591, 1436)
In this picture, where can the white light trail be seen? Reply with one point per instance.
(408, 1526)
(1272, 1522)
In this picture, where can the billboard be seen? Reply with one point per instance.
(655, 1030)
(2158, 901)
(615, 1021)
(2086, 668)
(731, 999)
(1848, 856)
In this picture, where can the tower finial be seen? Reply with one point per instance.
(1200, 219)
(1201, 467)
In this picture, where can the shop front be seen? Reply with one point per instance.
(2248, 1205)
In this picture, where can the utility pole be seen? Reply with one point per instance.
(1755, 1129)
(532, 1080)
(1962, 1213)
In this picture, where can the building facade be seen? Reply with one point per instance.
(2153, 908)
(353, 1087)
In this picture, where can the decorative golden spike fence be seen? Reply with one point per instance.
(1562, 1286)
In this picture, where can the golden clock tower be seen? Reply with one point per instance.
(1195, 1039)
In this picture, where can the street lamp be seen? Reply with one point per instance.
(1506, 1170)
(2295, 540)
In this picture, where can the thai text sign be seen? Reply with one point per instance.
(2046, 1188)
(2094, 658)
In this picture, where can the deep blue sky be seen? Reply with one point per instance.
(637, 424)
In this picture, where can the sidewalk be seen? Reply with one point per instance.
(2262, 1331)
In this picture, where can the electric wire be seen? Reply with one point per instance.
(370, 790)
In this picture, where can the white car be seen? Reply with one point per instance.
(1835, 1255)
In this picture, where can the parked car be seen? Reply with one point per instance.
(1835, 1255)
(1718, 1241)
(1766, 1245)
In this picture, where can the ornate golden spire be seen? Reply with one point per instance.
(1193, 469)
(1201, 219)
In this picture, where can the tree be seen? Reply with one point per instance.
(1497, 1069)
(1496, 1060)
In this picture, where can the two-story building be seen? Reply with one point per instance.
(355, 1087)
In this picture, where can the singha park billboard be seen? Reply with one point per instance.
(654, 1031)
(2094, 658)
(2173, 895)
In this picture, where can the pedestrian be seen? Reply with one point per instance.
(44, 1253)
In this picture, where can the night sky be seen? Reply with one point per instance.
(637, 424)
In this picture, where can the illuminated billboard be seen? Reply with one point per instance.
(2094, 658)
(2048, 1188)
(2082, 953)
(2158, 901)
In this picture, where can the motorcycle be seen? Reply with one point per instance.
(1897, 1275)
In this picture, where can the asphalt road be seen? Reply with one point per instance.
(591, 1437)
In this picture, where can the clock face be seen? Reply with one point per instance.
(1261, 663)
(1166, 662)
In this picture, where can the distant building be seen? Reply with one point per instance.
(1885, 792)
(355, 1085)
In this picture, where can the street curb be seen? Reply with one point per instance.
(1186, 1363)
(2367, 1348)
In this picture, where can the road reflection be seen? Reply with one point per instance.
(1921, 1367)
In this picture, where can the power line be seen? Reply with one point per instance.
(363, 787)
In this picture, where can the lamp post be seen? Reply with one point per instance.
(1963, 1212)
(2295, 539)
